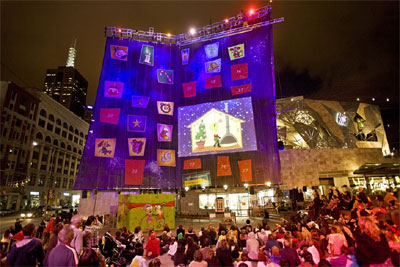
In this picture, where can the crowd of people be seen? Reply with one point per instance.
(340, 229)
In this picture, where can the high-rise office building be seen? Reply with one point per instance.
(66, 85)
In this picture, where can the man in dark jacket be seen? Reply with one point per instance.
(27, 252)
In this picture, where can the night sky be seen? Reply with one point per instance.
(337, 50)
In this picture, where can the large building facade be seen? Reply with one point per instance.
(53, 149)
(323, 144)
(68, 87)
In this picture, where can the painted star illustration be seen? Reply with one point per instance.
(136, 123)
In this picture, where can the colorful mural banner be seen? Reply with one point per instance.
(213, 66)
(137, 123)
(211, 50)
(236, 51)
(245, 170)
(239, 71)
(140, 101)
(166, 157)
(149, 211)
(136, 146)
(241, 89)
(192, 164)
(113, 89)
(165, 108)
(105, 147)
(134, 169)
(119, 52)
(202, 179)
(165, 76)
(213, 82)
(110, 115)
(147, 55)
(164, 132)
(223, 166)
(189, 89)
(185, 56)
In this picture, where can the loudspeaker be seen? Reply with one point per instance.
(304, 188)
(252, 192)
(84, 194)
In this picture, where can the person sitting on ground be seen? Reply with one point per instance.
(271, 243)
(211, 259)
(90, 257)
(155, 262)
(63, 254)
(191, 247)
(180, 230)
(180, 256)
(191, 234)
(221, 237)
(172, 247)
(244, 260)
(206, 248)
(224, 254)
(289, 254)
(336, 240)
(139, 260)
(153, 245)
(243, 238)
(27, 252)
(275, 256)
(252, 247)
(198, 260)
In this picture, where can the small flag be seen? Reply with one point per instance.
(236, 52)
(223, 166)
(166, 157)
(109, 115)
(165, 108)
(136, 146)
(147, 55)
(119, 52)
(165, 76)
(104, 147)
(245, 170)
(241, 89)
(185, 56)
(213, 66)
(164, 132)
(213, 82)
(113, 89)
(189, 89)
(134, 170)
(191, 164)
(239, 71)
(140, 101)
(211, 50)
(137, 123)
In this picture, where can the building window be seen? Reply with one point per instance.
(64, 134)
(70, 137)
(8, 117)
(41, 180)
(65, 125)
(75, 140)
(49, 127)
(43, 113)
(42, 123)
(51, 117)
(13, 95)
(5, 132)
(18, 123)
(32, 179)
(57, 130)
(71, 183)
(11, 106)
(58, 182)
(50, 182)
(65, 181)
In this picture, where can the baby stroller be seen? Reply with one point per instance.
(112, 250)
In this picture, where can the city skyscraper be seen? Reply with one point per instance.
(66, 85)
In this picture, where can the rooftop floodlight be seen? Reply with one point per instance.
(225, 186)
(192, 31)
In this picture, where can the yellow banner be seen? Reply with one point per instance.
(195, 182)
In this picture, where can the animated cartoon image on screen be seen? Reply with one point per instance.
(216, 130)
(153, 218)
